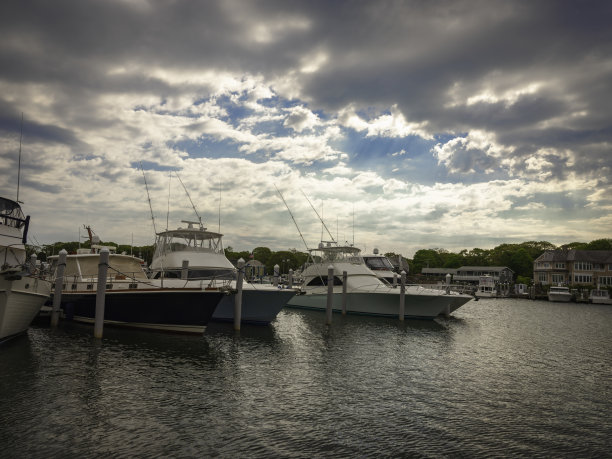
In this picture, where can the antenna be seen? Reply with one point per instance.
(192, 205)
(315, 211)
(148, 197)
(353, 224)
(168, 212)
(219, 206)
(292, 218)
(19, 166)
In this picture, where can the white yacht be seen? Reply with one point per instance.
(366, 293)
(600, 296)
(22, 290)
(132, 299)
(559, 294)
(202, 252)
(486, 287)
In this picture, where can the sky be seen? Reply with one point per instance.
(404, 124)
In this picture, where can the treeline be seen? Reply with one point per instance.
(518, 257)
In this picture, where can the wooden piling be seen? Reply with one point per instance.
(101, 293)
(238, 296)
(57, 292)
(330, 294)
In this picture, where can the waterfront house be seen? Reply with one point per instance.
(574, 267)
(472, 274)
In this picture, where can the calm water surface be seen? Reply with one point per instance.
(502, 378)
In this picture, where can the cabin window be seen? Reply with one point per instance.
(322, 280)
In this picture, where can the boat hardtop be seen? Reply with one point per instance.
(203, 250)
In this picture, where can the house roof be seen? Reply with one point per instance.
(593, 256)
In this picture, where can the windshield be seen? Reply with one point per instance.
(378, 263)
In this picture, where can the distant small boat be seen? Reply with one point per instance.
(22, 290)
(486, 287)
(600, 296)
(559, 294)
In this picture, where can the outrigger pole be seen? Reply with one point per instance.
(292, 218)
(192, 204)
(148, 197)
(315, 211)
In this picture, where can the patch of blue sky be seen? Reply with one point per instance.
(551, 203)
(151, 166)
(207, 147)
(406, 158)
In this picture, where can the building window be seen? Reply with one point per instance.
(583, 278)
(583, 266)
(605, 280)
(543, 278)
(558, 278)
(560, 265)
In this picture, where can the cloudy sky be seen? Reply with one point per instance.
(408, 125)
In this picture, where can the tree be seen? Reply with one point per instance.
(262, 254)
(600, 244)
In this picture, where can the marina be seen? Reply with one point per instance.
(500, 378)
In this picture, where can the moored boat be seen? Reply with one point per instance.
(600, 296)
(559, 294)
(131, 298)
(366, 293)
(486, 287)
(196, 255)
(22, 290)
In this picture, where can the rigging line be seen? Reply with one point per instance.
(148, 197)
(315, 211)
(187, 193)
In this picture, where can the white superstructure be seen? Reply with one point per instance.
(559, 294)
(22, 290)
(202, 252)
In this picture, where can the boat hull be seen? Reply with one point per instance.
(174, 310)
(559, 297)
(21, 298)
(259, 306)
(383, 304)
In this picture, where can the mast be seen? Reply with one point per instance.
(19, 164)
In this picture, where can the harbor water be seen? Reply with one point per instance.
(501, 378)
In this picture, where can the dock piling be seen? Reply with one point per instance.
(238, 297)
(59, 282)
(276, 275)
(344, 298)
(101, 292)
(402, 305)
(330, 293)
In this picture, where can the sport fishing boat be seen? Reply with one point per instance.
(193, 255)
(366, 293)
(132, 299)
(559, 294)
(22, 290)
